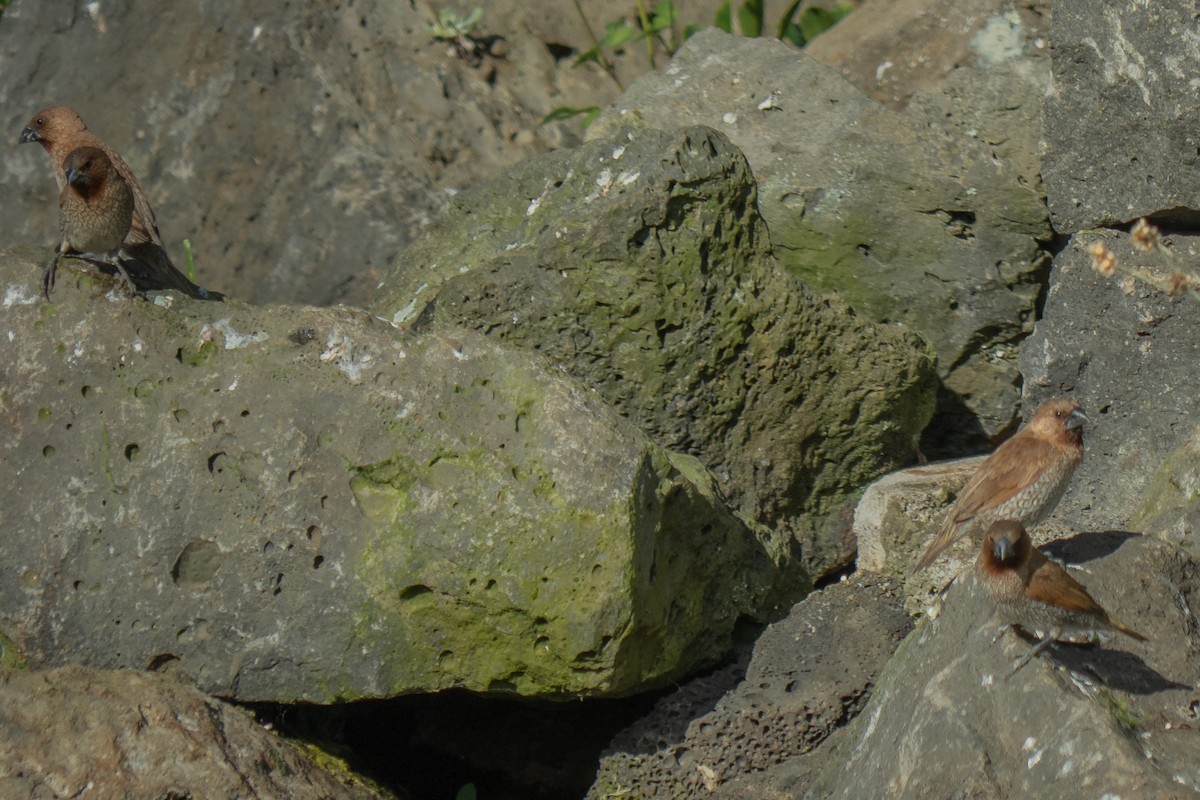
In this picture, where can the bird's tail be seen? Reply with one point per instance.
(1125, 629)
(151, 269)
(947, 535)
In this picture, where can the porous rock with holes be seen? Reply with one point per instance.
(930, 216)
(809, 674)
(291, 503)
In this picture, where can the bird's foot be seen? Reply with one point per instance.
(1033, 651)
(48, 274)
(130, 286)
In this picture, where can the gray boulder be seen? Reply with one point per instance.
(297, 148)
(900, 48)
(640, 264)
(1171, 507)
(307, 504)
(1127, 351)
(929, 217)
(1112, 720)
(1121, 134)
(79, 732)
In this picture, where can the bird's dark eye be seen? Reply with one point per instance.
(40, 121)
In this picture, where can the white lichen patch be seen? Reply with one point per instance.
(1000, 40)
(339, 350)
(235, 339)
(604, 183)
(18, 294)
(1035, 753)
(409, 309)
(536, 202)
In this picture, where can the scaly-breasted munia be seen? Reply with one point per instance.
(61, 131)
(1023, 479)
(1036, 593)
(95, 210)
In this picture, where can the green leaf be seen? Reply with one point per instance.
(691, 30)
(189, 260)
(815, 21)
(785, 22)
(750, 18)
(586, 56)
(663, 16)
(618, 33)
(724, 18)
(589, 114)
(466, 793)
(794, 35)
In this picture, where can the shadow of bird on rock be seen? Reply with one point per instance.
(1104, 663)
(1087, 546)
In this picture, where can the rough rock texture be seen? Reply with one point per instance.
(931, 217)
(809, 673)
(299, 146)
(1127, 351)
(895, 48)
(641, 265)
(79, 732)
(1121, 134)
(297, 503)
(898, 516)
(1171, 508)
(1116, 720)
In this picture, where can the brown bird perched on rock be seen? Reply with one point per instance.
(1036, 593)
(60, 131)
(95, 210)
(1023, 479)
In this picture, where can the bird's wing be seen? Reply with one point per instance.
(1049, 583)
(1013, 466)
(145, 226)
(1009, 470)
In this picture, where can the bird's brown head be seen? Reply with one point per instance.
(51, 125)
(87, 168)
(1006, 546)
(1060, 419)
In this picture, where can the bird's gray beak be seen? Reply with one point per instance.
(1003, 549)
(1077, 419)
(73, 176)
(30, 135)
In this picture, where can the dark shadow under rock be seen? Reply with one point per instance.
(808, 675)
(432, 745)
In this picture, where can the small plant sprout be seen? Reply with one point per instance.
(189, 260)
(657, 27)
(459, 32)
(451, 27)
(797, 27)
